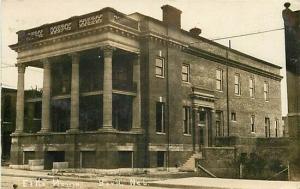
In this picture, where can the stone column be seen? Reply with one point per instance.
(213, 126)
(107, 88)
(20, 100)
(195, 127)
(74, 118)
(136, 110)
(207, 126)
(46, 98)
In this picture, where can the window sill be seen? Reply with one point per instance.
(158, 76)
(187, 135)
(219, 91)
(160, 133)
(186, 83)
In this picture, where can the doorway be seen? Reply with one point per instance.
(53, 156)
(204, 128)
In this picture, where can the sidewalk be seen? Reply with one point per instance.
(79, 177)
(189, 183)
(218, 183)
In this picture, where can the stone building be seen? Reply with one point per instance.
(8, 117)
(292, 43)
(132, 91)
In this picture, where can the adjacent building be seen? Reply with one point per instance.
(8, 118)
(292, 44)
(133, 91)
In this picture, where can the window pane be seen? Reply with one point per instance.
(184, 77)
(158, 71)
(218, 74)
(218, 85)
(236, 89)
(236, 79)
(159, 62)
(184, 69)
(251, 83)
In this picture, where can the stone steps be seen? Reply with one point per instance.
(190, 164)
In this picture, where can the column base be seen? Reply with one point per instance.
(16, 133)
(107, 129)
(44, 131)
(136, 130)
(73, 131)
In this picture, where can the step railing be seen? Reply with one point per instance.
(206, 171)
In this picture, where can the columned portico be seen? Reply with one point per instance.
(74, 122)
(20, 100)
(107, 88)
(46, 98)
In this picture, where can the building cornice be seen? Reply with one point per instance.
(114, 28)
(231, 63)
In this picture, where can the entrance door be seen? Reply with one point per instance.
(205, 129)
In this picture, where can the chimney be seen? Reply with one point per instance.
(171, 16)
(195, 31)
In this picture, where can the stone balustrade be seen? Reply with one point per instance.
(76, 23)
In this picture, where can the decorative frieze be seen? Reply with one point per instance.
(34, 35)
(84, 22)
(60, 28)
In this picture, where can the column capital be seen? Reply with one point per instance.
(45, 61)
(74, 55)
(195, 107)
(137, 59)
(108, 50)
(21, 68)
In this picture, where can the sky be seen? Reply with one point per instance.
(216, 18)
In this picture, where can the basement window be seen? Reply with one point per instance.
(161, 159)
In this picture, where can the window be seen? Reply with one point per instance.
(237, 84)
(185, 73)
(233, 116)
(125, 159)
(219, 80)
(186, 122)
(267, 127)
(266, 91)
(161, 159)
(88, 159)
(251, 87)
(159, 67)
(219, 123)
(276, 128)
(252, 121)
(160, 125)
